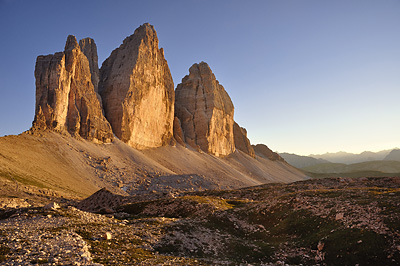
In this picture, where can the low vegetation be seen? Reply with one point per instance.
(334, 221)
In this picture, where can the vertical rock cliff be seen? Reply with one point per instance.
(138, 91)
(241, 141)
(65, 94)
(205, 111)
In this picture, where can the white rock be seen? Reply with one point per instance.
(339, 216)
(52, 206)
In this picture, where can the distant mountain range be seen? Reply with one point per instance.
(301, 161)
(350, 158)
(349, 164)
(394, 155)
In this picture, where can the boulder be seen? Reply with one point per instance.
(242, 143)
(66, 100)
(138, 91)
(205, 111)
(52, 206)
(339, 216)
(107, 236)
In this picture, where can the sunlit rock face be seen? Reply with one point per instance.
(138, 91)
(66, 99)
(242, 143)
(205, 111)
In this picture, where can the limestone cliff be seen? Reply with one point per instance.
(205, 111)
(242, 143)
(138, 91)
(65, 95)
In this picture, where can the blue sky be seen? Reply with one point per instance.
(305, 76)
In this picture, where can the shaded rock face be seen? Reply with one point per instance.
(205, 111)
(263, 151)
(65, 95)
(178, 133)
(242, 143)
(138, 91)
(89, 49)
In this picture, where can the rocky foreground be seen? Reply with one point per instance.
(316, 222)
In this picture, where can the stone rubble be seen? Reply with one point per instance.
(43, 240)
(69, 236)
(263, 225)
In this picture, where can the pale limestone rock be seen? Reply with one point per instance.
(339, 216)
(14, 203)
(138, 91)
(52, 206)
(242, 143)
(205, 111)
(65, 95)
(107, 236)
(263, 151)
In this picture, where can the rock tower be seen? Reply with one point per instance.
(205, 112)
(138, 91)
(66, 99)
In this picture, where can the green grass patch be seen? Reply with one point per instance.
(181, 207)
(5, 214)
(84, 234)
(25, 180)
(39, 261)
(237, 203)
(285, 224)
(307, 228)
(235, 246)
(249, 251)
(356, 174)
(355, 246)
(109, 252)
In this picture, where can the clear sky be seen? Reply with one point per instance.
(305, 76)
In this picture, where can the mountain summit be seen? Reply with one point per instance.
(205, 111)
(66, 99)
(188, 139)
(138, 91)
